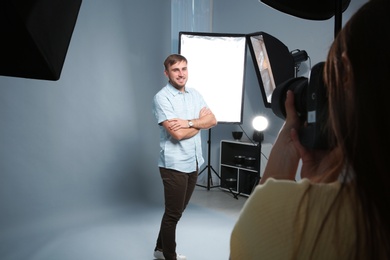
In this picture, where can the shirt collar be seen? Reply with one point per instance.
(174, 91)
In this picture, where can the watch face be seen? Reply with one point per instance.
(190, 123)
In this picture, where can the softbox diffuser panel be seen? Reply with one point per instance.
(221, 82)
(35, 36)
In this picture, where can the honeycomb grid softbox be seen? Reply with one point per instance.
(35, 36)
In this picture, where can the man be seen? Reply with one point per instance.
(181, 113)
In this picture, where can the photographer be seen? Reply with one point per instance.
(339, 210)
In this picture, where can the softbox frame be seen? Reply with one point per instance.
(280, 62)
(35, 36)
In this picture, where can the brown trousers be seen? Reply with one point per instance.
(178, 188)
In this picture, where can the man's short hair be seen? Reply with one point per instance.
(173, 59)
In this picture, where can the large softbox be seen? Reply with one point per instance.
(35, 36)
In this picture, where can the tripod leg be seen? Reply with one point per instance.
(215, 172)
(209, 167)
(235, 195)
(257, 180)
(202, 171)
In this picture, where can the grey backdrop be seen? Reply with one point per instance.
(89, 141)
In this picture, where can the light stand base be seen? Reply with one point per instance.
(209, 177)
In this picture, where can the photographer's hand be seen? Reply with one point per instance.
(284, 158)
(317, 165)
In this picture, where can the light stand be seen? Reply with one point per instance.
(210, 168)
(258, 177)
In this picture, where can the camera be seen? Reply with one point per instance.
(310, 96)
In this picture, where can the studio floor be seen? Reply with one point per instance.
(203, 233)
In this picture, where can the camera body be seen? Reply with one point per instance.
(311, 104)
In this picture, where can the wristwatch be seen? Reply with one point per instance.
(190, 124)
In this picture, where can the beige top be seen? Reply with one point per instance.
(283, 220)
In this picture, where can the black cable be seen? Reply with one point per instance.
(253, 142)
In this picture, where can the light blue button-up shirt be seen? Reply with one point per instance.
(170, 103)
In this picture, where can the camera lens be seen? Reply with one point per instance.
(299, 88)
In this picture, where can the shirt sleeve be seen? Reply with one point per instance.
(163, 109)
